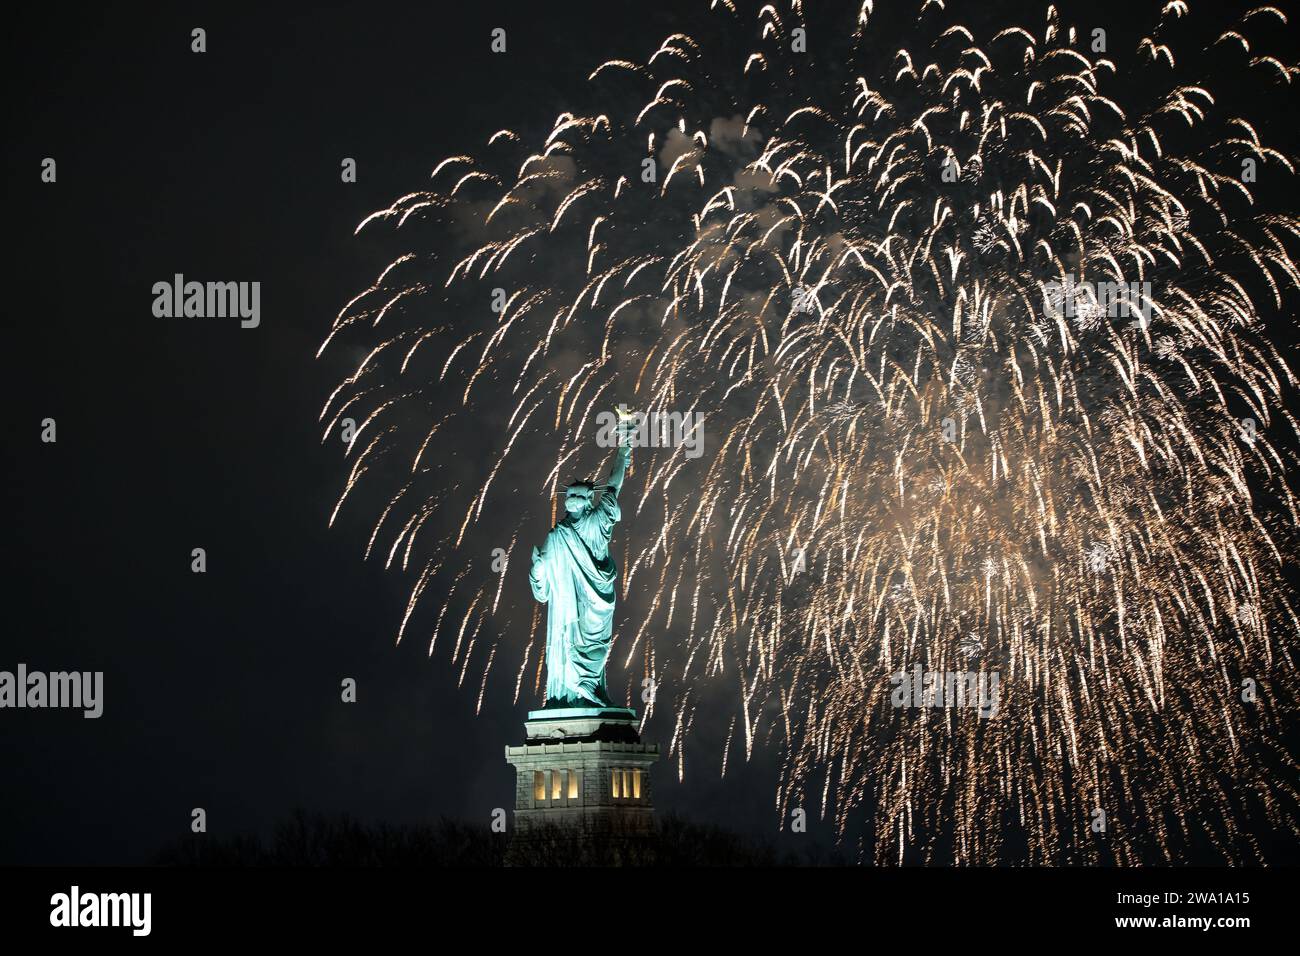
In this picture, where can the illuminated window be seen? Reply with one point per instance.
(636, 784)
(618, 779)
(573, 784)
(539, 785)
(555, 784)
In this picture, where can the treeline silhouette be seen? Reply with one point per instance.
(316, 840)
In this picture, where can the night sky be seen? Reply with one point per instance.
(222, 690)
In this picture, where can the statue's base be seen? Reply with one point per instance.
(582, 723)
(584, 768)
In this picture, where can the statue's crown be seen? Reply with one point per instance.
(581, 489)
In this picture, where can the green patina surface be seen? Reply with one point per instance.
(575, 576)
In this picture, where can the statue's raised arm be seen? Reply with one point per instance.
(618, 470)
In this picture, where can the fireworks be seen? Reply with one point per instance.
(767, 237)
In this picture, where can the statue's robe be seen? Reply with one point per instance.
(575, 576)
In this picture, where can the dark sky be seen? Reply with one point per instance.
(222, 689)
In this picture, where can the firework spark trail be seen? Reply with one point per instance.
(977, 478)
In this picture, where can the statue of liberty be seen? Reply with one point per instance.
(575, 575)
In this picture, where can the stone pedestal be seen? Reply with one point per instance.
(583, 769)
